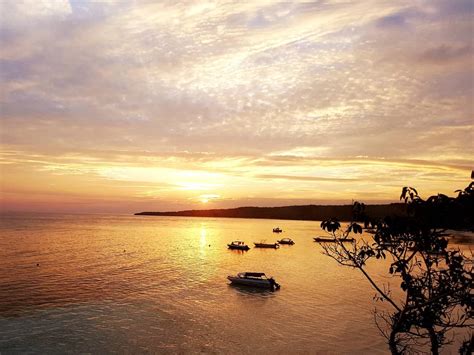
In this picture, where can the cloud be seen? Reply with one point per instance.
(303, 178)
(394, 20)
(226, 86)
(446, 53)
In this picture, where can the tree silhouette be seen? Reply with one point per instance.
(436, 281)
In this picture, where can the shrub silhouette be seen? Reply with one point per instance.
(436, 282)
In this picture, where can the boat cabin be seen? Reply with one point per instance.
(252, 275)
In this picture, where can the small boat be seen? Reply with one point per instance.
(254, 279)
(267, 245)
(277, 230)
(333, 240)
(288, 241)
(238, 245)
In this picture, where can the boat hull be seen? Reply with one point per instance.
(268, 246)
(332, 240)
(238, 247)
(248, 282)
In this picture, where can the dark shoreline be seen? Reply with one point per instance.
(304, 213)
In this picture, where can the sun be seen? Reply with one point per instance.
(207, 198)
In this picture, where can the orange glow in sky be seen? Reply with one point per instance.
(126, 107)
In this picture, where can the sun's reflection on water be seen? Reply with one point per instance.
(203, 240)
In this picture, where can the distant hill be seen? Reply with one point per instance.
(306, 212)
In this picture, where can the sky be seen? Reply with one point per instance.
(153, 106)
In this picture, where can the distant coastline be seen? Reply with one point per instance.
(305, 212)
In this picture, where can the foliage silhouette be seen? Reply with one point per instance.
(436, 282)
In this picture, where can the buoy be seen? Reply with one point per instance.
(37, 264)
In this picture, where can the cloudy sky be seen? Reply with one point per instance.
(130, 106)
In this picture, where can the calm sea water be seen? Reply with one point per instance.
(138, 284)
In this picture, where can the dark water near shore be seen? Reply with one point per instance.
(137, 284)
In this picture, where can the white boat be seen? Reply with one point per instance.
(254, 279)
(288, 241)
(238, 245)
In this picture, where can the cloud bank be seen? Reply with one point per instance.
(116, 106)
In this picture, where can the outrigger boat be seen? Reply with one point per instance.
(333, 240)
(277, 230)
(254, 279)
(288, 241)
(238, 245)
(267, 245)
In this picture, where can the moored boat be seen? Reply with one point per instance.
(333, 240)
(238, 245)
(288, 241)
(254, 279)
(267, 245)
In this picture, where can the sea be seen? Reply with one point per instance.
(127, 284)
